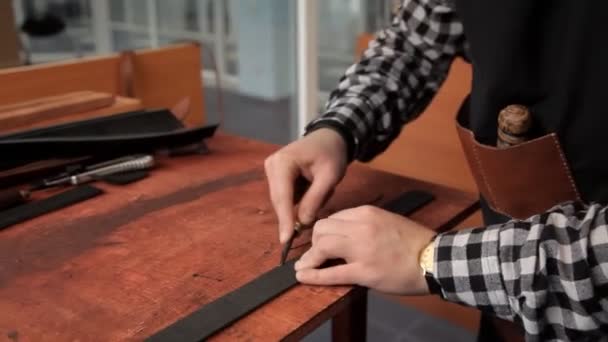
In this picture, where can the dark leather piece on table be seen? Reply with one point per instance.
(34, 209)
(409, 202)
(65, 147)
(220, 313)
(144, 121)
(11, 198)
(133, 132)
(125, 178)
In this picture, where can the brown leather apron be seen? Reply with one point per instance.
(522, 180)
(518, 182)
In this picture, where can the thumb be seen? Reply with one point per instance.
(319, 191)
(346, 274)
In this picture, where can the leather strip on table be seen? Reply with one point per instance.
(34, 209)
(220, 313)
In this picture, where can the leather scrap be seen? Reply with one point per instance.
(65, 147)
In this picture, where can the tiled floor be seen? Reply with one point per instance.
(387, 320)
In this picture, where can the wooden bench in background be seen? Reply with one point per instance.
(156, 78)
(69, 107)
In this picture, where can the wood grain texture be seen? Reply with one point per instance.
(128, 263)
(161, 78)
(41, 101)
(30, 82)
(120, 105)
(164, 77)
(11, 46)
(56, 108)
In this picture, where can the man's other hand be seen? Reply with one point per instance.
(381, 251)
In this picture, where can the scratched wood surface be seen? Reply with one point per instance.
(134, 260)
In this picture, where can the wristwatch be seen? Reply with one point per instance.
(427, 261)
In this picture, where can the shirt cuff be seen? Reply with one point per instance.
(467, 267)
(339, 128)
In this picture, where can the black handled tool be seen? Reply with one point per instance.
(121, 165)
(13, 197)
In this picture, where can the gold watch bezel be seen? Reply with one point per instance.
(427, 257)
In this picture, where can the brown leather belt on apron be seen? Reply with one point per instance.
(518, 181)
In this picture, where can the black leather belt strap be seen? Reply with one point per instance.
(34, 209)
(220, 313)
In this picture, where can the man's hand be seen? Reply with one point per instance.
(321, 158)
(381, 251)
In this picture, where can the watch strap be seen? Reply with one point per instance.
(426, 259)
(432, 283)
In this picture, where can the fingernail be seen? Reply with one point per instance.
(282, 237)
(299, 265)
(306, 219)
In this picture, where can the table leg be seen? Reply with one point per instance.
(351, 323)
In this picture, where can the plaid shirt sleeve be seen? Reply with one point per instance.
(548, 273)
(396, 78)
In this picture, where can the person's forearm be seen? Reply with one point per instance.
(549, 273)
(396, 78)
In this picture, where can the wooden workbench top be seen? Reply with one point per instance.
(130, 262)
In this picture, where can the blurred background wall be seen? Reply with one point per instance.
(250, 45)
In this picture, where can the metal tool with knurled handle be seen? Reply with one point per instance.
(13, 197)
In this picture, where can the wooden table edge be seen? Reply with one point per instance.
(349, 313)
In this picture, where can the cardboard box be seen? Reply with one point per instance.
(10, 47)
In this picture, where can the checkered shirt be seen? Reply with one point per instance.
(548, 273)
(396, 78)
